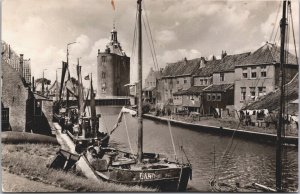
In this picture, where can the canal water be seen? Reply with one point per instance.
(246, 162)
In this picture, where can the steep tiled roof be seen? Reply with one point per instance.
(194, 90)
(222, 65)
(180, 93)
(271, 100)
(230, 61)
(184, 67)
(218, 88)
(209, 68)
(267, 54)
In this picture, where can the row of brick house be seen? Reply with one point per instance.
(21, 109)
(222, 86)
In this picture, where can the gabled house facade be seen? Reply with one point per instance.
(265, 111)
(219, 96)
(150, 89)
(176, 77)
(15, 98)
(258, 74)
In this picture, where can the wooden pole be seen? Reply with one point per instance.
(140, 80)
(280, 120)
(43, 84)
(68, 94)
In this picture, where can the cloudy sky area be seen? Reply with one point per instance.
(41, 29)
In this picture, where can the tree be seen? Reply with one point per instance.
(41, 80)
(74, 81)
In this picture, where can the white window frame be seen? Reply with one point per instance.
(263, 91)
(263, 69)
(253, 70)
(222, 77)
(243, 93)
(220, 97)
(209, 97)
(252, 89)
(213, 97)
(245, 71)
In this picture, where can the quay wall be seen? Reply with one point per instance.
(104, 102)
(249, 135)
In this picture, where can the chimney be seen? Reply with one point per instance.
(21, 65)
(214, 58)
(98, 51)
(202, 62)
(223, 54)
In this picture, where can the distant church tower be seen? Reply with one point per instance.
(113, 69)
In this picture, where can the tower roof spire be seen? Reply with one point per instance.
(114, 45)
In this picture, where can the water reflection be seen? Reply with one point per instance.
(246, 162)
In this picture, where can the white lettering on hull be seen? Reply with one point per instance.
(147, 176)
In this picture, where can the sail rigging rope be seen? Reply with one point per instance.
(285, 112)
(148, 24)
(226, 152)
(128, 138)
(292, 21)
(134, 38)
(275, 21)
(155, 67)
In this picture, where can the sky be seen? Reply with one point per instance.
(41, 30)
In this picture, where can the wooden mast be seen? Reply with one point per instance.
(68, 93)
(80, 98)
(140, 80)
(93, 108)
(283, 24)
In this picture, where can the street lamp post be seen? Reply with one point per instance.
(68, 94)
(68, 51)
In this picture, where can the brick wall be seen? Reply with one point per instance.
(14, 96)
(113, 72)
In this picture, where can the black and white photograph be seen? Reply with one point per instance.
(149, 96)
